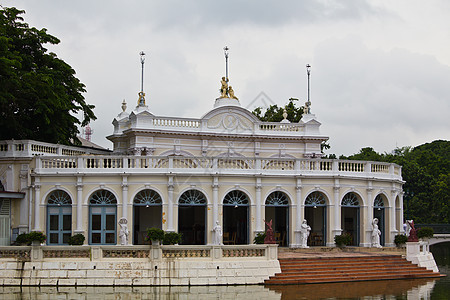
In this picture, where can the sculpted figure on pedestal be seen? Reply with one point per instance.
(376, 233)
(305, 229)
(123, 233)
(217, 234)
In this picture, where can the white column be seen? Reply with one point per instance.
(170, 220)
(125, 197)
(337, 214)
(79, 206)
(400, 200)
(215, 187)
(393, 211)
(369, 219)
(300, 212)
(37, 205)
(259, 227)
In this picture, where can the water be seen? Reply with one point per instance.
(434, 289)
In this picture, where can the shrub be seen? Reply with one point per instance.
(77, 239)
(259, 238)
(425, 233)
(172, 238)
(154, 234)
(36, 236)
(343, 240)
(22, 239)
(400, 239)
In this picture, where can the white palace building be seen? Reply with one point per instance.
(184, 175)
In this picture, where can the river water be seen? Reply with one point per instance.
(434, 289)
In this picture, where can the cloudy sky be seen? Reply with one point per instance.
(380, 72)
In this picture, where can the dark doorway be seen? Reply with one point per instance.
(191, 223)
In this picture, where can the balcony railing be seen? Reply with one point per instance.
(165, 164)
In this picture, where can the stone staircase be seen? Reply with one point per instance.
(342, 269)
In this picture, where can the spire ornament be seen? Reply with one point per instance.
(141, 94)
(307, 107)
(225, 90)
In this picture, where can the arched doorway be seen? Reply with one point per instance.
(350, 217)
(235, 218)
(59, 218)
(192, 217)
(147, 213)
(102, 218)
(277, 209)
(378, 212)
(316, 217)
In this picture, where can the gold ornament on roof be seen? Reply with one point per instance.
(141, 101)
(224, 87)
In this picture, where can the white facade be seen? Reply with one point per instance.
(184, 174)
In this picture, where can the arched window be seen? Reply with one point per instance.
(102, 197)
(378, 202)
(192, 217)
(192, 197)
(235, 198)
(316, 199)
(277, 198)
(350, 200)
(147, 197)
(59, 218)
(102, 218)
(59, 197)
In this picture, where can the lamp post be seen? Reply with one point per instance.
(308, 71)
(225, 51)
(142, 55)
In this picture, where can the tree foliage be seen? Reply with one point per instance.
(426, 170)
(275, 113)
(39, 93)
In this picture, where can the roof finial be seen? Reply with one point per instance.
(225, 51)
(141, 101)
(307, 108)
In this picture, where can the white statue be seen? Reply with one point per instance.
(304, 233)
(217, 234)
(123, 233)
(376, 233)
(408, 227)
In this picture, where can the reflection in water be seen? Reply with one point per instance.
(427, 289)
(390, 289)
(394, 289)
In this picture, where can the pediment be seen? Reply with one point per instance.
(230, 119)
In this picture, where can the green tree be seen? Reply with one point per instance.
(426, 171)
(39, 93)
(275, 114)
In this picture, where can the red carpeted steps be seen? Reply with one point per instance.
(341, 269)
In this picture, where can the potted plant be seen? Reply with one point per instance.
(425, 233)
(400, 240)
(343, 240)
(172, 238)
(155, 235)
(22, 240)
(76, 239)
(36, 238)
(259, 238)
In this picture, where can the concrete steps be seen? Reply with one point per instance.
(344, 269)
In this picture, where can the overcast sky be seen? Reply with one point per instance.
(380, 73)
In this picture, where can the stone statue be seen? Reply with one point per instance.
(231, 92)
(412, 232)
(224, 88)
(307, 108)
(123, 233)
(269, 239)
(376, 233)
(217, 234)
(141, 101)
(305, 229)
